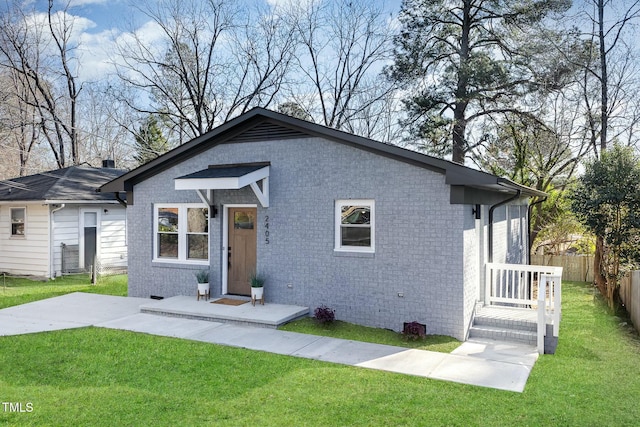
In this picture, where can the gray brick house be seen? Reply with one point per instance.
(381, 234)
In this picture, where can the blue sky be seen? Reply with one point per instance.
(98, 23)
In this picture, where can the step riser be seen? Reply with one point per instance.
(519, 325)
(503, 335)
(256, 324)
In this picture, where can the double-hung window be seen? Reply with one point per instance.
(181, 232)
(355, 226)
(18, 221)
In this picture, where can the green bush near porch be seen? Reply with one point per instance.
(96, 377)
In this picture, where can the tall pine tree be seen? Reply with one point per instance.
(150, 142)
(460, 60)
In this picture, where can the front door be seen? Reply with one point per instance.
(89, 238)
(241, 250)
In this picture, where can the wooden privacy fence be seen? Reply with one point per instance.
(575, 268)
(630, 295)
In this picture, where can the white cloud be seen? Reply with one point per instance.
(76, 3)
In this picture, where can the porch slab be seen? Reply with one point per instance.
(509, 313)
(266, 316)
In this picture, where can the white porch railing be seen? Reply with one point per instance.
(535, 287)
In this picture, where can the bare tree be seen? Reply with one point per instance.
(343, 48)
(608, 73)
(611, 67)
(106, 120)
(18, 121)
(207, 66)
(40, 53)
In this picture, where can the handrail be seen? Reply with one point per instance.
(514, 285)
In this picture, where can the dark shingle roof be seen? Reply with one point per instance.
(75, 183)
(260, 122)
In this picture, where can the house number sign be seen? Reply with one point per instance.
(266, 230)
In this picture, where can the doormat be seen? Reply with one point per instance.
(229, 301)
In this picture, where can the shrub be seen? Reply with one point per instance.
(324, 315)
(414, 331)
(202, 276)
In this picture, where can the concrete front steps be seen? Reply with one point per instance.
(516, 325)
(258, 315)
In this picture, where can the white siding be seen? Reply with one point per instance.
(64, 229)
(112, 248)
(28, 255)
(113, 237)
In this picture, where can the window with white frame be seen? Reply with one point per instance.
(355, 225)
(18, 221)
(181, 232)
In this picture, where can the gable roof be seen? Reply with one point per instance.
(75, 183)
(260, 124)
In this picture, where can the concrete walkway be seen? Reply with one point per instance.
(493, 364)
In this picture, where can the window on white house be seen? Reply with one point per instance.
(18, 221)
(182, 232)
(355, 225)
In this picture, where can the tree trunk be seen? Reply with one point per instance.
(459, 121)
(604, 80)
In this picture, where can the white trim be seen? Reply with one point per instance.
(231, 183)
(262, 195)
(182, 234)
(339, 203)
(81, 242)
(206, 196)
(225, 242)
(78, 202)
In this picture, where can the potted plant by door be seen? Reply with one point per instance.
(202, 277)
(257, 288)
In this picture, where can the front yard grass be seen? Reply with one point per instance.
(349, 331)
(96, 377)
(15, 291)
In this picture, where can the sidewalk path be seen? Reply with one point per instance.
(494, 364)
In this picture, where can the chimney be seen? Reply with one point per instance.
(108, 163)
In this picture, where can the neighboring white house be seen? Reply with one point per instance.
(55, 222)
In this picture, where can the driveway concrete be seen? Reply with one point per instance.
(493, 364)
(75, 310)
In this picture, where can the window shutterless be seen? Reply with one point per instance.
(355, 225)
(181, 232)
(18, 221)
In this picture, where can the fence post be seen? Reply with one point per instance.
(94, 270)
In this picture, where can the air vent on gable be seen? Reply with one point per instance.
(268, 131)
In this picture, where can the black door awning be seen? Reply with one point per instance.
(228, 177)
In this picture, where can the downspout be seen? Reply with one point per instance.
(52, 270)
(530, 210)
(119, 199)
(491, 209)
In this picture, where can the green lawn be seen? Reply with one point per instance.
(96, 376)
(349, 331)
(15, 291)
